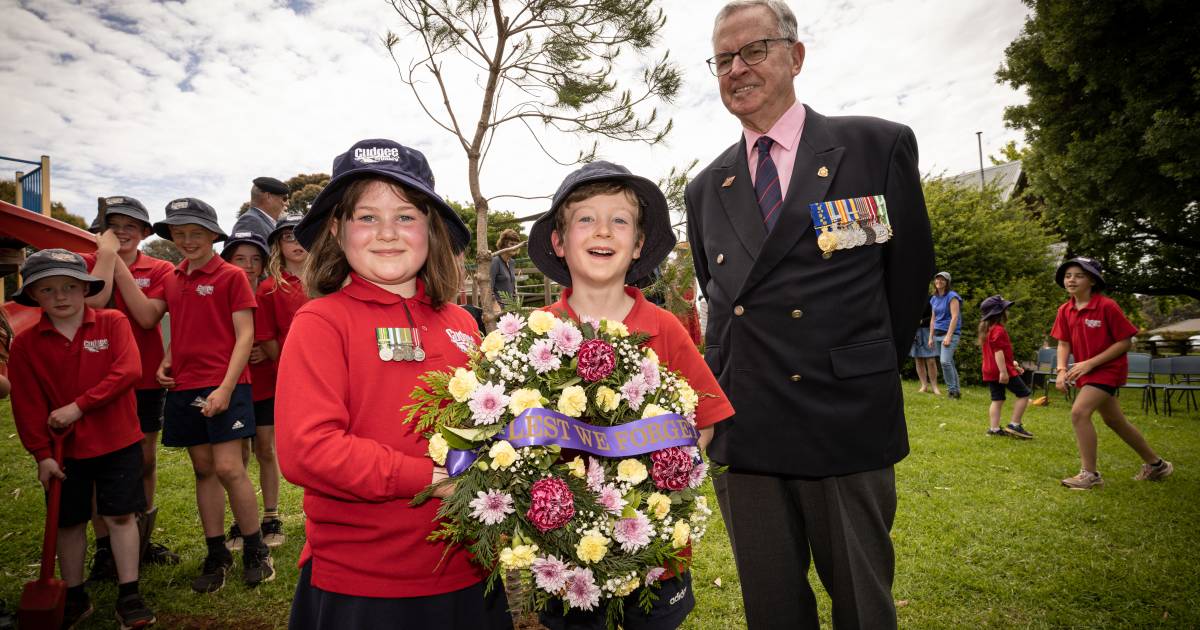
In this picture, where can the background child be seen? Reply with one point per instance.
(1094, 328)
(134, 284)
(247, 250)
(1000, 370)
(209, 408)
(279, 296)
(925, 357)
(608, 228)
(86, 384)
(381, 248)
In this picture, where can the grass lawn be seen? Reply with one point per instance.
(985, 536)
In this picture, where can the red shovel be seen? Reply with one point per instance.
(43, 600)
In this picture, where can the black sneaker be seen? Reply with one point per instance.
(158, 554)
(104, 567)
(132, 612)
(955, 395)
(212, 574)
(995, 433)
(272, 532)
(257, 566)
(75, 611)
(233, 541)
(1018, 431)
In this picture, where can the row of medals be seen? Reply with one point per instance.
(402, 352)
(855, 234)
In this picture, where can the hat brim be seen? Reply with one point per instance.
(163, 228)
(278, 231)
(310, 226)
(993, 311)
(231, 244)
(658, 237)
(1059, 273)
(132, 213)
(95, 285)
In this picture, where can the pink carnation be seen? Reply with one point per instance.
(632, 533)
(566, 337)
(596, 360)
(551, 504)
(550, 574)
(542, 358)
(672, 468)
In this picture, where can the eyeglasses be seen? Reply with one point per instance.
(752, 54)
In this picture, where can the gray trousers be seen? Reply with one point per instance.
(842, 524)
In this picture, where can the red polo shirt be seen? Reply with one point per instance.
(151, 275)
(1091, 330)
(277, 305)
(670, 341)
(202, 305)
(997, 339)
(340, 436)
(96, 370)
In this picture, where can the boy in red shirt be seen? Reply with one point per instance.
(606, 230)
(76, 369)
(1092, 327)
(133, 284)
(209, 408)
(1000, 370)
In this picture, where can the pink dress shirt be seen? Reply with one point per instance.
(786, 134)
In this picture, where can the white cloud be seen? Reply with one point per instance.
(161, 100)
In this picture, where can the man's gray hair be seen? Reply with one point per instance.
(783, 15)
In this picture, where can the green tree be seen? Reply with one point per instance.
(1113, 126)
(162, 249)
(991, 247)
(8, 192)
(535, 61)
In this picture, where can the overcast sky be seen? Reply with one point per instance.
(160, 100)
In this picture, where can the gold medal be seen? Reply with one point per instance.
(827, 242)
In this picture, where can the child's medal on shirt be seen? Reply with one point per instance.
(399, 344)
(383, 339)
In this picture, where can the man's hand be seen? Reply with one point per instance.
(62, 417)
(440, 474)
(257, 355)
(107, 242)
(163, 375)
(49, 469)
(706, 436)
(216, 403)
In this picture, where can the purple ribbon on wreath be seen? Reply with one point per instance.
(537, 426)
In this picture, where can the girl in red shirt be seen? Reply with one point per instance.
(382, 269)
(1000, 370)
(1092, 327)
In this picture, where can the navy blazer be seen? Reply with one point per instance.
(807, 347)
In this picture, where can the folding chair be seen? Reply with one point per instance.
(1139, 375)
(1045, 369)
(1185, 380)
(1160, 378)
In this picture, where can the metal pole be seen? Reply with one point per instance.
(20, 200)
(979, 139)
(46, 185)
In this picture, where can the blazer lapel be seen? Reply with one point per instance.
(746, 220)
(817, 149)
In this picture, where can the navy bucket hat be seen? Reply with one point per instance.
(121, 204)
(285, 223)
(1090, 266)
(655, 220)
(54, 262)
(189, 211)
(247, 230)
(993, 306)
(379, 158)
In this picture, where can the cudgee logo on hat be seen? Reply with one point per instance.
(115, 201)
(62, 256)
(243, 234)
(371, 155)
(179, 205)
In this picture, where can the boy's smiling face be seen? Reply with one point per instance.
(61, 297)
(194, 242)
(1077, 282)
(599, 240)
(129, 231)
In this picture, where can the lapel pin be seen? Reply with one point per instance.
(822, 172)
(728, 181)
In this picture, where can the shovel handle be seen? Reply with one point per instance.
(50, 539)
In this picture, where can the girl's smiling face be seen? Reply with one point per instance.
(385, 238)
(599, 239)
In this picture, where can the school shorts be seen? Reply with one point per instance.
(1107, 389)
(1016, 385)
(464, 609)
(264, 413)
(184, 425)
(675, 601)
(116, 479)
(150, 409)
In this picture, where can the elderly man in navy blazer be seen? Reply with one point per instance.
(812, 244)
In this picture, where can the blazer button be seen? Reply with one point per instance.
(738, 310)
(720, 259)
(795, 378)
(797, 314)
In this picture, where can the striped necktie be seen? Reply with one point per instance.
(766, 184)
